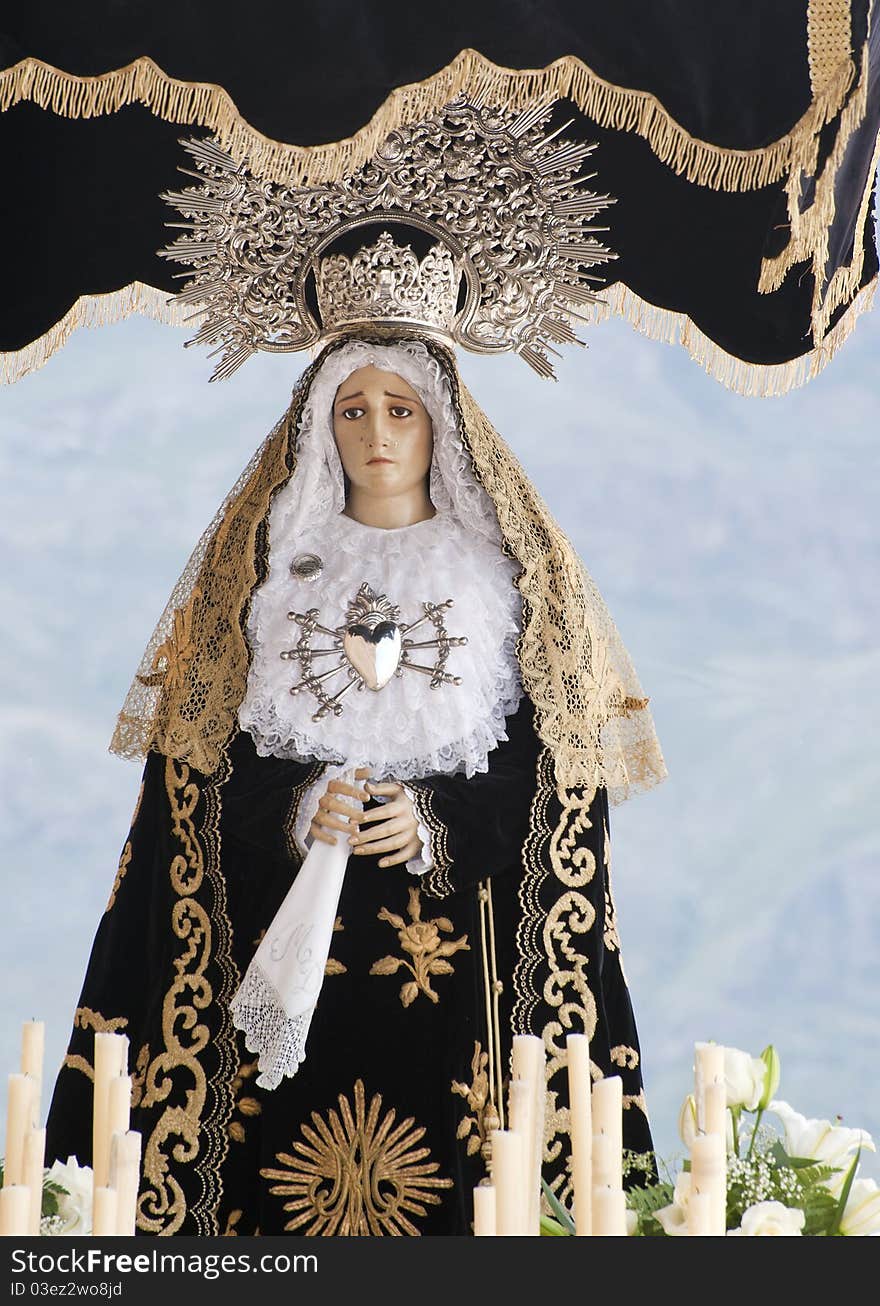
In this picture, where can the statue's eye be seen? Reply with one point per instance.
(352, 414)
(400, 411)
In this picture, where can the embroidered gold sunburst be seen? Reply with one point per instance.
(422, 942)
(357, 1173)
(484, 1117)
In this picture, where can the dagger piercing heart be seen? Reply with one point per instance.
(370, 649)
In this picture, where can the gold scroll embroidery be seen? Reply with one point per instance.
(356, 1175)
(421, 941)
(86, 1018)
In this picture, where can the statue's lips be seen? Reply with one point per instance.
(371, 461)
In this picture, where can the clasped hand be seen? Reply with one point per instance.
(391, 828)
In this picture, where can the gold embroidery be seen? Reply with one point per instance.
(636, 1100)
(610, 936)
(550, 965)
(247, 1106)
(139, 1075)
(183, 1130)
(421, 940)
(477, 1127)
(625, 1057)
(232, 1219)
(356, 1175)
(332, 966)
(124, 863)
(86, 1018)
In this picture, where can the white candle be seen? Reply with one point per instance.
(15, 1209)
(581, 1118)
(19, 1117)
(507, 1170)
(484, 1211)
(111, 1054)
(34, 1157)
(104, 1212)
(528, 1063)
(606, 1169)
(709, 1177)
(699, 1212)
(125, 1171)
(118, 1105)
(608, 1123)
(609, 1212)
(33, 1041)
(708, 1069)
(715, 1107)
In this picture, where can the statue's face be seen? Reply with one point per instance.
(383, 433)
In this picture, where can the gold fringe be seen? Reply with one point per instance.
(753, 379)
(810, 229)
(757, 380)
(620, 108)
(846, 278)
(91, 311)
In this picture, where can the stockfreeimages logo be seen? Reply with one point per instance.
(209, 1265)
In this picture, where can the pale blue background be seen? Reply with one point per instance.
(736, 542)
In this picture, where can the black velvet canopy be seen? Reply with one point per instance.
(739, 140)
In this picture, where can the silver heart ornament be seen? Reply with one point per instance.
(373, 651)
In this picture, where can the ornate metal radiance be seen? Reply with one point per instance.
(494, 189)
(371, 648)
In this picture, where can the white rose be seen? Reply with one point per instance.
(770, 1220)
(745, 1077)
(75, 1205)
(819, 1140)
(674, 1218)
(632, 1221)
(862, 1214)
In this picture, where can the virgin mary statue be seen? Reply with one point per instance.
(383, 647)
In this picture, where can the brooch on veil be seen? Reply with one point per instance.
(370, 649)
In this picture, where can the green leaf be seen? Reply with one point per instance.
(551, 1228)
(834, 1230)
(557, 1208)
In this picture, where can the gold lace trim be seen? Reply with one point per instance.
(185, 1132)
(550, 964)
(436, 882)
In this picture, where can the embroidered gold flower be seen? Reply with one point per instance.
(246, 1106)
(232, 1219)
(625, 1057)
(356, 1175)
(477, 1127)
(421, 940)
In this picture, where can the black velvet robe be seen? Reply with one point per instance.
(383, 1128)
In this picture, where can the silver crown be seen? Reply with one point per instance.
(388, 283)
(498, 190)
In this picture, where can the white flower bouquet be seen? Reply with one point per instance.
(787, 1176)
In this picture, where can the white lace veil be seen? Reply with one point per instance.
(316, 490)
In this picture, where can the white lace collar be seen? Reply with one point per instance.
(407, 729)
